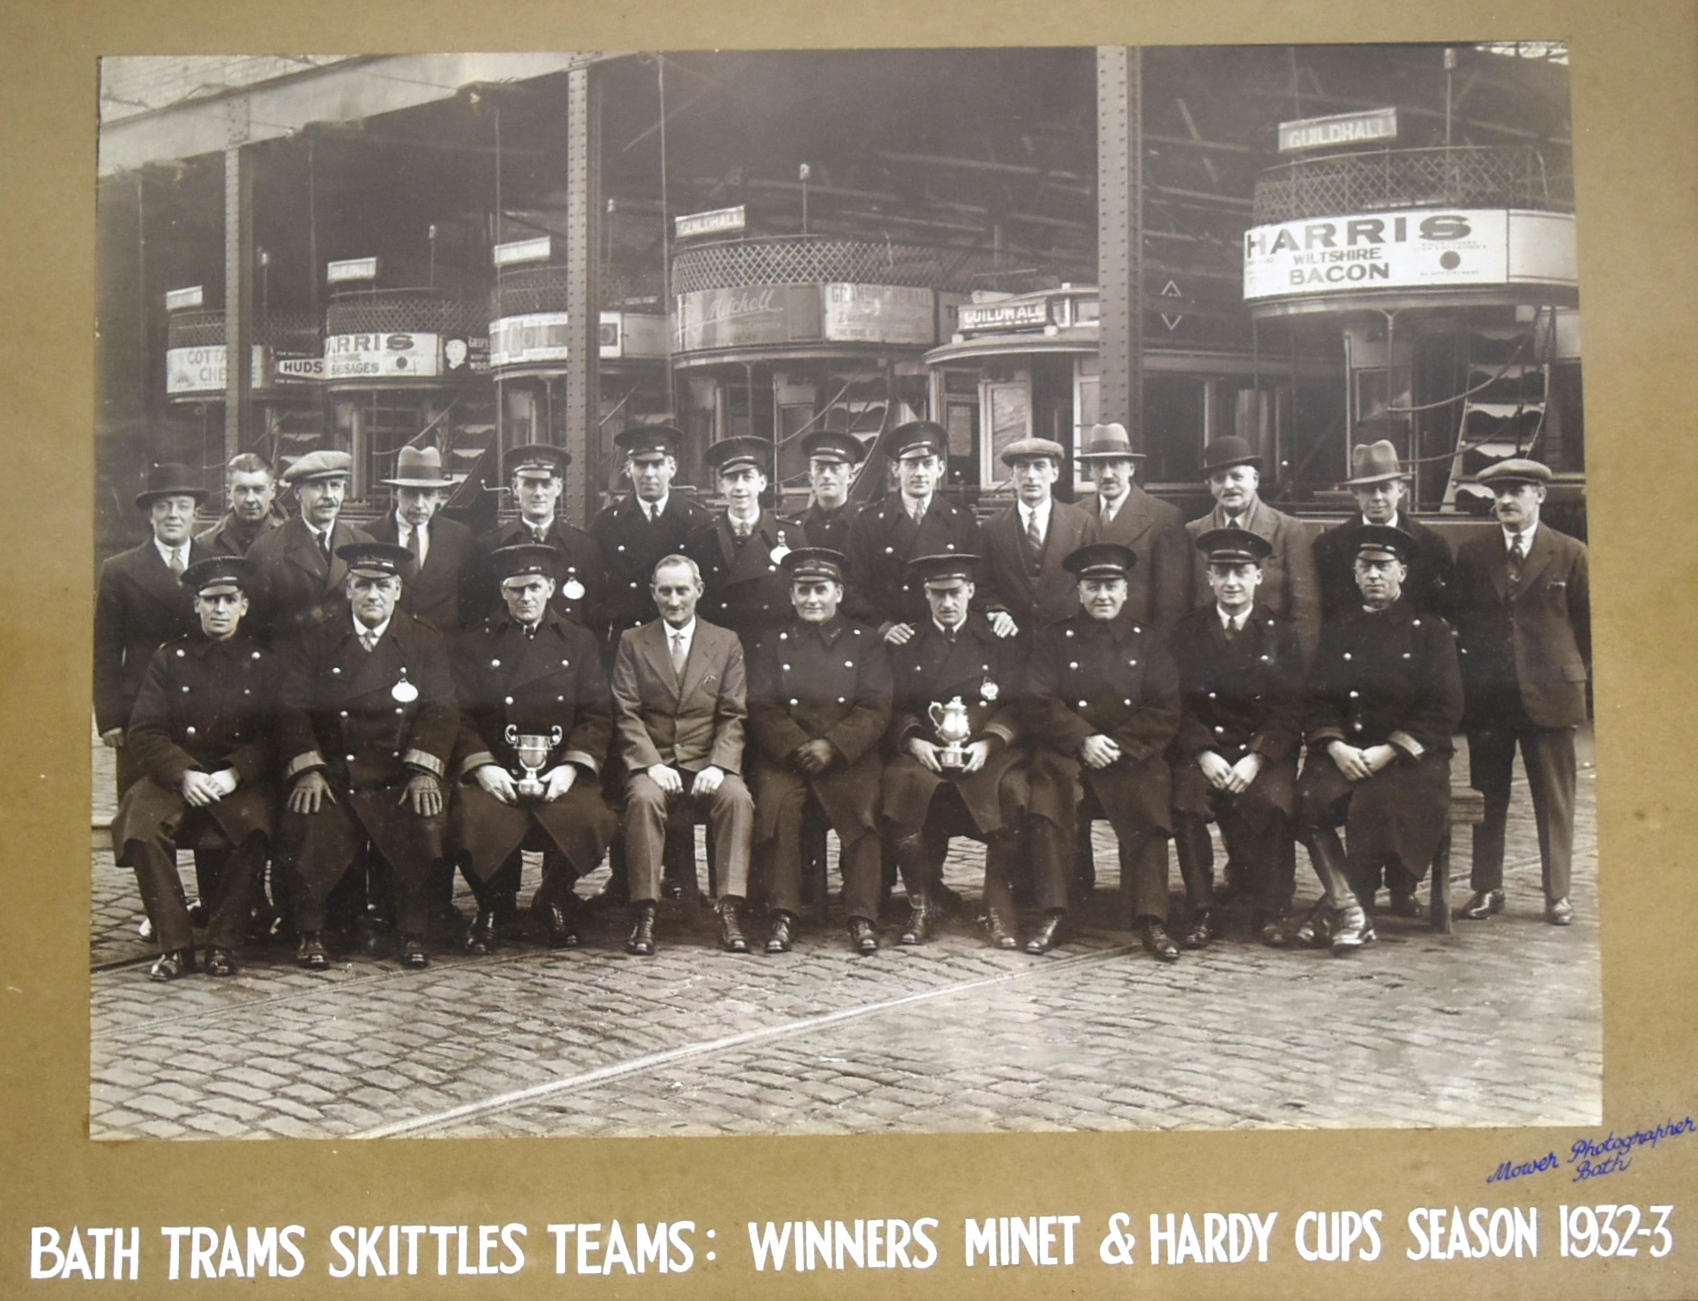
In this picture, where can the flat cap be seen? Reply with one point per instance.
(1517, 469)
(322, 464)
(1030, 449)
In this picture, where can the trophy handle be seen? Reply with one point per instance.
(932, 714)
(511, 736)
(556, 735)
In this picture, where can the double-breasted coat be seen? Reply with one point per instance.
(368, 720)
(1385, 677)
(883, 539)
(580, 576)
(984, 672)
(533, 683)
(1237, 697)
(300, 587)
(813, 681)
(1430, 585)
(631, 544)
(1158, 587)
(1114, 677)
(748, 591)
(1291, 586)
(828, 528)
(139, 606)
(436, 591)
(1036, 590)
(204, 706)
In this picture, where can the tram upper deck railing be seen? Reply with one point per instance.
(1448, 176)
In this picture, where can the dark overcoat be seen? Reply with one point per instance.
(1431, 584)
(436, 591)
(533, 684)
(883, 539)
(985, 672)
(139, 605)
(299, 587)
(631, 544)
(580, 576)
(1158, 590)
(1291, 587)
(829, 681)
(748, 591)
(828, 528)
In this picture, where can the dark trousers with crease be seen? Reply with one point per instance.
(1548, 755)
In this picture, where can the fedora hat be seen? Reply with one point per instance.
(419, 467)
(1374, 463)
(1228, 451)
(1109, 442)
(169, 479)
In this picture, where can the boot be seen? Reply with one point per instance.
(919, 922)
(863, 936)
(480, 939)
(641, 943)
(778, 938)
(1350, 923)
(730, 926)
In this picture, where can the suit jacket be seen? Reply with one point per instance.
(1524, 654)
(299, 587)
(437, 592)
(1036, 589)
(1432, 573)
(1158, 590)
(631, 544)
(1291, 587)
(231, 537)
(686, 724)
(883, 539)
(747, 591)
(580, 576)
(139, 606)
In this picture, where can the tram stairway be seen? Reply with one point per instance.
(1503, 413)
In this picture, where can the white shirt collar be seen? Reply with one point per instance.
(956, 631)
(166, 551)
(909, 504)
(1040, 512)
(360, 630)
(1232, 622)
(1526, 537)
(1111, 506)
(653, 508)
(749, 521)
(687, 632)
(1395, 522)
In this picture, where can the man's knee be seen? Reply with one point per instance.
(643, 794)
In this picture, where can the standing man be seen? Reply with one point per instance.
(635, 532)
(1381, 487)
(1524, 605)
(442, 549)
(1235, 756)
(303, 580)
(1104, 706)
(366, 728)
(679, 703)
(530, 672)
(141, 603)
(832, 458)
(1385, 698)
(883, 589)
(739, 551)
(819, 704)
(1291, 588)
(1027, 543)
(954, 667)
(249, 489)
(537, 477)
(1158, 587)
(200, 736)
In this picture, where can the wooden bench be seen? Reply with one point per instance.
(1467, 809)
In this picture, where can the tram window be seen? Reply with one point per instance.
(1173, 428)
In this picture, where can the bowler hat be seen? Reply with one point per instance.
(1109, 442)
(1228, 451)
(1374, 463)
(419, 467)
(169, 479)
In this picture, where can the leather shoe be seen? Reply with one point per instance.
(1047, 935)
(169, 966)
(480, 939)
(778, 938)
(1481, 904)
(1559, 912)
(219, 962)
(1271, 932)
(1002, 934)
(1201, 932)
(1157, 941)
(919, 924)
(641, 943)
(863, 935)
(1350, 931)
(413, 955)
(1404, 904)
(731, 927)
(311, 954)
(562, 930)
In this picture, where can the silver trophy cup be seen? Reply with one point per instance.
(532, 752)
(953, 729)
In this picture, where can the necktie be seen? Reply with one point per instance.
(415, 542)
(1034, 535)
(1109, 510)
(324, 544)
(1516, 555)
(918, 512)
(368, 639)
(678, 655)
(740, 529)
(539, 533)
(1231, 629)
(177, 565)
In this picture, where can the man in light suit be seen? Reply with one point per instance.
(1524, 618)
(679, 706)
(302, 579)
(443, 550)
(1158, 587)
(141, 604)
(1026, 543)
(1291, 587)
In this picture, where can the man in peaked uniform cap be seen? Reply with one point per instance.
(366, 728)
(201, 738)
(442, 549)
(1026, 542)
(1524, 610)
(1235, 755)
(1158, 588)
(819, 704)
(530, 671)
(302, 578)
(832, 458)
(140, 603)
(1103, 705)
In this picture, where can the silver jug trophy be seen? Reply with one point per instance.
(953, 729)
(533, 752)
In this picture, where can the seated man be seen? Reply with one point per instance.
(200, 736)
(530, 672)
(819, 703)
(365, 729)
(1103, 706)
(679, 706)
(1385, 697)
(955, 767)
(1235, 757)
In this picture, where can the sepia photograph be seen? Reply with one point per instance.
(844, 591)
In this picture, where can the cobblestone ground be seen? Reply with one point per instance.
(1499, 1024)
